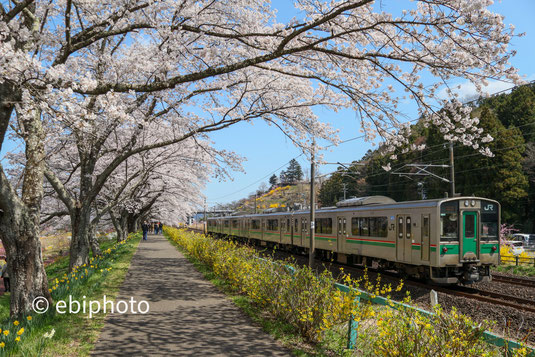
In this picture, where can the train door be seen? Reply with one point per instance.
(341, 235)
(469, 233)
(404, 238)
(296, 237)
(304, 230)
(282, 227)
(426, 229)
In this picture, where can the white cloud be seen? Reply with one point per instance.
(467, 91)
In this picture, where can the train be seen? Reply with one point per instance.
(447, 241)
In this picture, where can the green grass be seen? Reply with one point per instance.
(75, 334)
(281, 331)
(521, 270)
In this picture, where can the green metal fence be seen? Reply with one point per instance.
(517, 260)
(365, 296)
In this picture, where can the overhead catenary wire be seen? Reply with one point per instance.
(363, 136)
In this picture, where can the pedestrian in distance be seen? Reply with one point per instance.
(145, 228)
(155, 227)
(5, 275)
(161, 228)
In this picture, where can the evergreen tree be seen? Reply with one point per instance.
(283, 177)
(294, 172)
(273, 180)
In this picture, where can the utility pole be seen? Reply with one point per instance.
(452, 171)
(312, 206)
(205, 225)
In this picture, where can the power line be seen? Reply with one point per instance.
(259, 180)
(363, 136)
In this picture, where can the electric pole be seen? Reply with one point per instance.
(452, 171)
(205, 225)
(312, 204)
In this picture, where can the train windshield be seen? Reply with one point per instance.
(489, 221)
(449, 221)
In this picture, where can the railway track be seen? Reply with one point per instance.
(468, 292)
(513, 280)
(472, 293)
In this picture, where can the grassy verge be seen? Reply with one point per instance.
(75, 334)
(521, 270)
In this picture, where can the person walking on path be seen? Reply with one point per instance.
(155, 227)
(145, 229)
(161, 228)
(5, 275)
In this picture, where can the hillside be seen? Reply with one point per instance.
(292, 196)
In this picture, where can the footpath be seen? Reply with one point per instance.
(188, 315)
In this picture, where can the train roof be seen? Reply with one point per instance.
(404, 204)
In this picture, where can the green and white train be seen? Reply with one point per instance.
(448, 241)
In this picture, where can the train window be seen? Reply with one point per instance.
(469, 226)
(227, 224)
(296, 225)
(355, 226)
(400, 227)
(255, 224)
(489, 221)
(288, 225)
(364, 226)
(324, 225)
(272, 225)
(380, 226)
(449, 227)
(235, 223)
(408, 227)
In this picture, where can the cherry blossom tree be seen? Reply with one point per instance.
(85, 69)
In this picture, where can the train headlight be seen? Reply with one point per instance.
(466, 203)
(473, 203)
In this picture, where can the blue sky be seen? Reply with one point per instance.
(267, 150)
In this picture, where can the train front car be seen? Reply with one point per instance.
(469, 240)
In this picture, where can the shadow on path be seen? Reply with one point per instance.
(188, 315)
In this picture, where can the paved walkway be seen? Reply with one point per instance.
(188, 315)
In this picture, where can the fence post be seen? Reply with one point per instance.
(352, 332)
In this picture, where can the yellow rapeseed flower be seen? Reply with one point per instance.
(16, 323)
(6, 332)
(21, 331)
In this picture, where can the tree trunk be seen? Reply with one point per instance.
(93, 241)
(19, 224)
(132, 223)
(79, 250)
(8, 96)
(117, 225)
